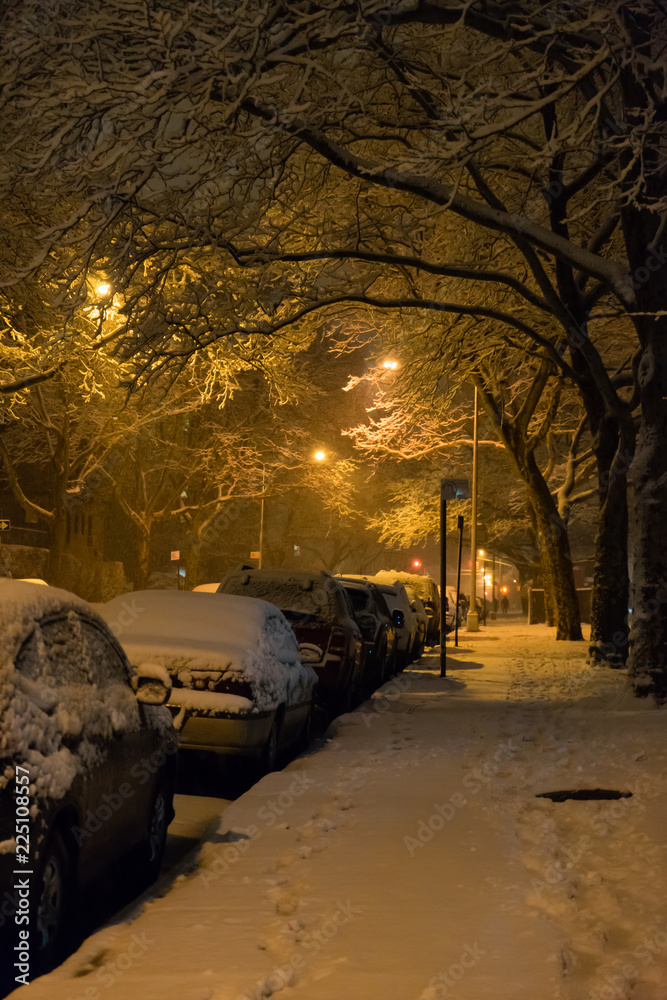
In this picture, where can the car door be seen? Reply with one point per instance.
(130, 765)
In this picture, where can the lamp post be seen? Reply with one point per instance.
(472, 621)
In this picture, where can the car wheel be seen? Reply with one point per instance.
(269, 759)
(382, 671)
(53, 903)
(153, 849)
(306, 734)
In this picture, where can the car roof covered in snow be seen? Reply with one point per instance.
(293, 590)
(218, 623)
(424, 586)
(22, 603)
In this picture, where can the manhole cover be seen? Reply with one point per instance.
(584, 793)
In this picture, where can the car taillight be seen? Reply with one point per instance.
(338, 641)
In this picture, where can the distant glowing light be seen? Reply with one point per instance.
(417, 563)
(103, 288)
(487, 579)
(481, 552)
(390, 364)
(319, 456)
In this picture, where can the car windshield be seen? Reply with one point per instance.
(291, 594)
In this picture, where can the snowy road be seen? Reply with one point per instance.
(410, 858)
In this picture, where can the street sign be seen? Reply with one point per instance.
(455, 489)
(175, 555)
(4, 525)
(255, 555)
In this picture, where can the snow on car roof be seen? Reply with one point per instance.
(424, 586)
(240, 637)
(22, 603)
(293, 590)
(48, 719)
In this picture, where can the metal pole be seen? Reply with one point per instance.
(458, 581)
(493, 584)
(261, 522)
(472, 623)
(443, 578)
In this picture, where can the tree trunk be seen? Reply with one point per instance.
(57, 546)
(648, 636)
(143, 561)
(647, 256)
(609, 605)
(192, 559)
(554, 548)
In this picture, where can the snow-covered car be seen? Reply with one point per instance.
(422, 623)
(377, 628)
(320, 614)
(396, 598)
(429, 594)
(238, 685)
(87, 765)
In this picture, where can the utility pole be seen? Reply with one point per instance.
(458, 581)
(472, 621)
(443, 576)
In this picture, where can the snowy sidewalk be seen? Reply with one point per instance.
(409, 859)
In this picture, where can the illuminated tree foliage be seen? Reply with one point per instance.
(513, 147)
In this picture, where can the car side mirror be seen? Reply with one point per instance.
(152, 685)
(398, 618)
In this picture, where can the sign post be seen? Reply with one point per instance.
(450, 489)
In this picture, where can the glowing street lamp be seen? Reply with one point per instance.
(103, 288)
(320, 456)
(416, 564)
(390, 364)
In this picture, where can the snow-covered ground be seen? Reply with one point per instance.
(409, 858)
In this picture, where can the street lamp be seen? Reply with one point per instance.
(103, 288)
(320, 456)
(390, 364)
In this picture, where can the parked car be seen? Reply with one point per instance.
(422, 623)
(87, 761)
(377, 629)
(320, 614)
(237, 683)
(397, 599)
(428, 592)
